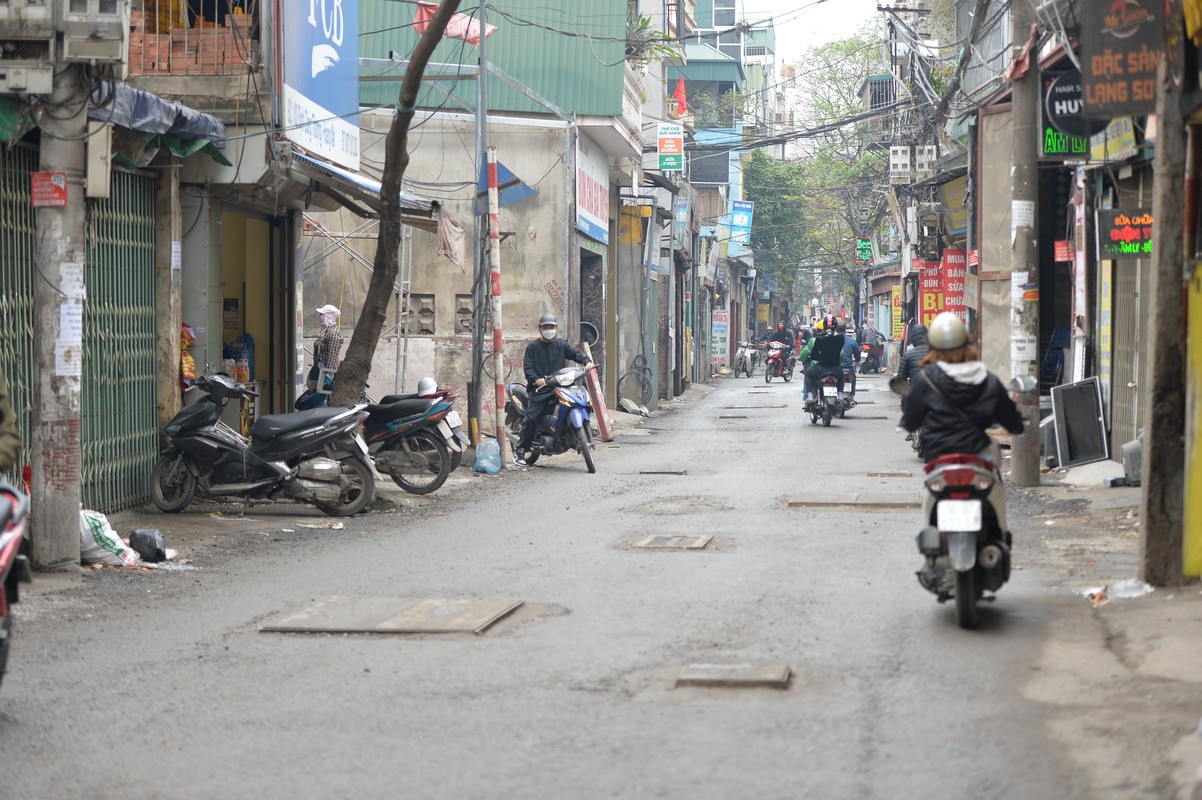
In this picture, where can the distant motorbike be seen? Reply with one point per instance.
(14, 568)
(870, 361)
(566, 425)
(777, 364)
(316, 457)
(746, 358)
(828, 404)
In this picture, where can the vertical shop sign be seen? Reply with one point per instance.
(930, 291)
(592, 191)
(1105, 325)
(897, 327)
(669, 146)
(719, 333)
(954, 266)
(1121, 44)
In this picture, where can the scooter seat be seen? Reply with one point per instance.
(388, 400)
(273, 425)
(387, 412)
(519, 391)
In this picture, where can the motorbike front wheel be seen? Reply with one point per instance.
(740, 366)
(427, 463)
(768, 372)
(172, 484)
(966, 599)
(586, 448)
(358, 489)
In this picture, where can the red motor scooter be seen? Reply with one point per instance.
(14, 568)
(776, 365)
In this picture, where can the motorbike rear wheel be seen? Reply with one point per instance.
(740, 367)
(428, 467)
(172, 484)
(586, 448)
(966, 599)
(358, 489)
(826, 416)
(788, 376)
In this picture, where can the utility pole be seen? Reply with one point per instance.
(59, 294)
(1024, 245)
(1162, 506)
(479, 286)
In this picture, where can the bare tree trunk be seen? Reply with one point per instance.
(351, 379)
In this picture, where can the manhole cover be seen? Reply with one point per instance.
(738, 675)
(663, 472)
(732, 416)
(391, 615)
(664, 541)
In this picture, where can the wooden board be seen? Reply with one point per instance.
(597, 397)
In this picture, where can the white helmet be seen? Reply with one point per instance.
(426, 387)
(947, 332)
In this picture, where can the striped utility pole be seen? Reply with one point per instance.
(494, 263)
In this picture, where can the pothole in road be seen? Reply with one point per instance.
(663, 506)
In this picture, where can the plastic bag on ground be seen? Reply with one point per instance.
(488, 457)
(148, 543)
(100, 544)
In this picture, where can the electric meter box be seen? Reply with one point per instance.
(28, 30)
(94, 31)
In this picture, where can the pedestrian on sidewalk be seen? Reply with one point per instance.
(327, 350)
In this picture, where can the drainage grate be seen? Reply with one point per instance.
(391, 615)
(735, 675)
(661, 541)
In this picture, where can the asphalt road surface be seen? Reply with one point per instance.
(161, 685)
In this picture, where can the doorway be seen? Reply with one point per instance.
(592, 307)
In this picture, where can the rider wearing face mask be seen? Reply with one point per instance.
(544, 356)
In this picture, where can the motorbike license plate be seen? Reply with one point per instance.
(830, 391)
(958, 515)
(453, 419)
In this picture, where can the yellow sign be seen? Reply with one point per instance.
(1193, 431)
(761, 312)
(896, 315)
(1116, 143)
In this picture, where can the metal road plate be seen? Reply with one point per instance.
(890, 474)
(732, 416)
(744, 408)
(877, 500)
(663, 472)
(737, 675)
(391, 615)
(660, 541)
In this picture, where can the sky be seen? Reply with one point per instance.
(801, 24)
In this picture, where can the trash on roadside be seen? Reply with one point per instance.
(100, 544)
(334, 526)
(1129, 589)
(148, 543)
(1096, 597)
(488, 457)
(213, 514)
(631, 407)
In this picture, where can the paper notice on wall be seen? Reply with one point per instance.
(1017, 281)
(68, 360)
(70, 278)
(1023, 350)
(70, 324)
(177, 255)
(1022, 215)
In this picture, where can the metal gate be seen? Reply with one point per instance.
(119, 414)
(17, 275)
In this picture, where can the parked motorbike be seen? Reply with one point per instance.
(315, 456)
(966, 550)
(828, 404)
(777, 364)
(411, 438)
(14, 568)
(746, 358)
(566, 425)
(870, 361)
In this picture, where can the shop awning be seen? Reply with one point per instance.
(158, 123)
(359, 193)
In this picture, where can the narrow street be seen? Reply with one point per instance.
(182, 696)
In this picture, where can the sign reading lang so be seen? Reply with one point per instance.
(1121, 44)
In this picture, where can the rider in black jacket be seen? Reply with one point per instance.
(954, 399)
(544, 356)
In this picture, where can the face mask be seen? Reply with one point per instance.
(548, 333)
(329, 320)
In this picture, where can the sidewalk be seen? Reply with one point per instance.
(1125, 672)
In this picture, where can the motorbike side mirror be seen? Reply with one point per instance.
(899, 386)
(1024, 383)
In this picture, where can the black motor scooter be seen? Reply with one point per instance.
(317, 457)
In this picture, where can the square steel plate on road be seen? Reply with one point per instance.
(391, 615)
(735, 675)
(662, 541)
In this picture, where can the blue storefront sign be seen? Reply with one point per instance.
(320, 103)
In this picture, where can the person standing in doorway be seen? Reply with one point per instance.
(327, 350)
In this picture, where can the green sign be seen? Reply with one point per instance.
(669, 163)
(863, 250)
(1055, 144)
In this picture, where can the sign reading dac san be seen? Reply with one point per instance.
(321, 77)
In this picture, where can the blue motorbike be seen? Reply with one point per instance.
(566, 425)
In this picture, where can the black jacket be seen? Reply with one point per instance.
(827, 351)
(545, 358)
(910, 366)
(970, 388)
(783, 336)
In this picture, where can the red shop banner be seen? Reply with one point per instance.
(954, 267)
(930, 290)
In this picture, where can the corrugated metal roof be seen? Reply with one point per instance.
(706, 63)
(573, 55)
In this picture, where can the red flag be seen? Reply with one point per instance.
(460, 26)
(682, 107)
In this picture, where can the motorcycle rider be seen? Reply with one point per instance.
(784, 337)
(544, 356)
(826, 351)
(954, 399)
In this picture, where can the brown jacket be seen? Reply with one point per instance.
(10, 441)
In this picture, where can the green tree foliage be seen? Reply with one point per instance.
(810, 208)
